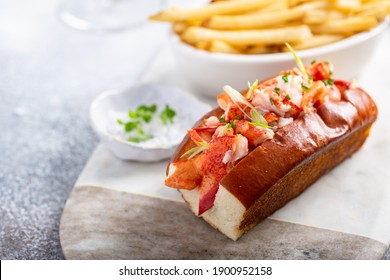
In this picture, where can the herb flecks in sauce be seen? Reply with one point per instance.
(142, 116)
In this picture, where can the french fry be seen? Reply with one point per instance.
(263, 26)
(348, 5)
(346, 26)
(222, 47)
(316, 41)
(227, 0)
(248, 37)
(316, 17)
(253, 21)
(179, 27)
(275, 6)
(260, 20)
(215, 8)
(293, 3)
(258, 50)
(312, 5)
(379, 12)
(379, 9)
(335, 14)
(203, 45)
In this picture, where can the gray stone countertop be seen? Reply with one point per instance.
(49, 74)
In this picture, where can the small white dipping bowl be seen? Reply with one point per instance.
(208, 72)
(112, 105)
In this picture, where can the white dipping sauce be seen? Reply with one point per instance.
(164, 136)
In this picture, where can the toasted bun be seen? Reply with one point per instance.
(280, 169)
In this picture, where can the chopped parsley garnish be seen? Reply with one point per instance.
(140, 130)
(167, 115)
(305, 88)
(222, 120)
(142, 116)
(313, 61)
(224, 129)
(129, 126)
(144, 112)
(277, 90)
(310, 79)
(330, 72)
(328, 82)
(231, 124)
(288, 97)
(285, 77)
(143, 108)
(133, 115)
(271, 101)
(147, 118)
(239, 118)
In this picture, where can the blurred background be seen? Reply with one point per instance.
(49, 74)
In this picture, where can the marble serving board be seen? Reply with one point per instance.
(122, 210)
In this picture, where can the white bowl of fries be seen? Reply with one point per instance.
(233, 42)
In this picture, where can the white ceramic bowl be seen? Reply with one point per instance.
(209, 72)
(114, 104)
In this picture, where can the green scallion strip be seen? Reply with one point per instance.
(195, 151)
(305, 88)
(297, 60)
(328, 82)
(285, 78)
(238, 98)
